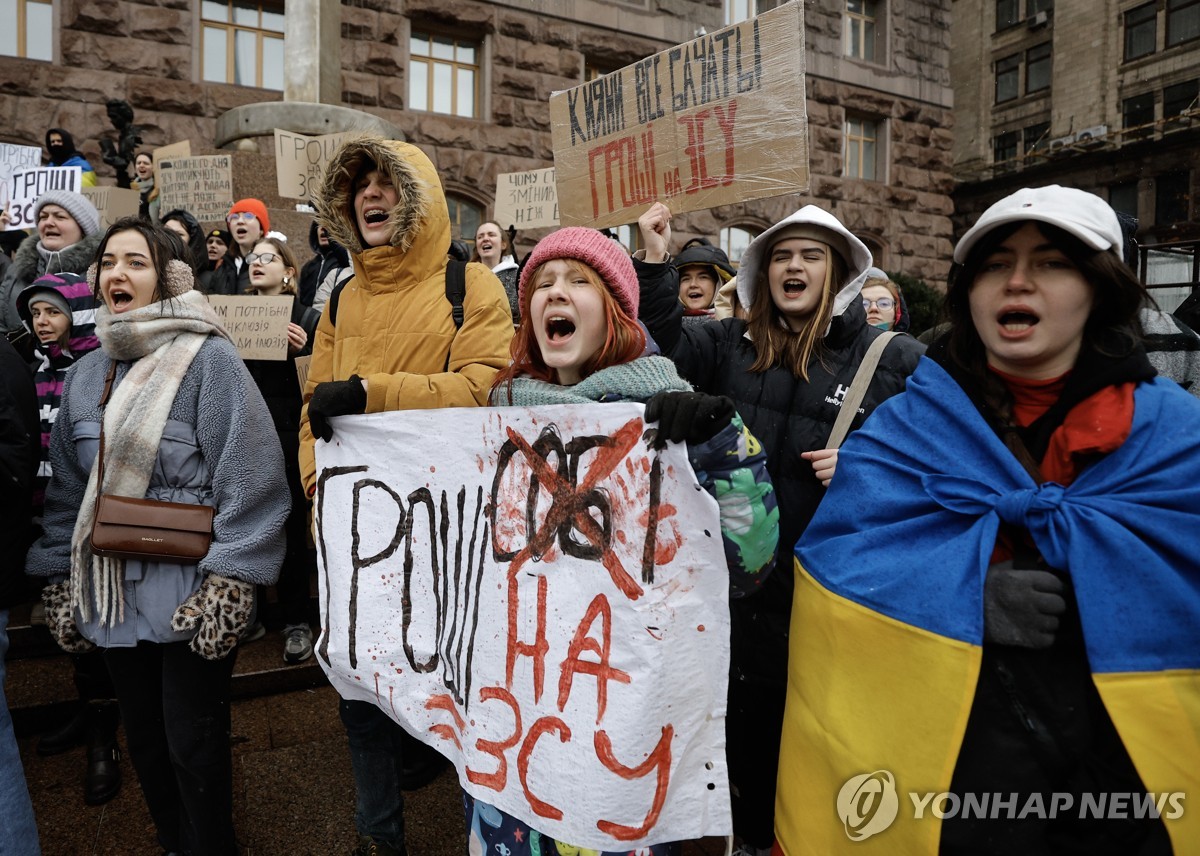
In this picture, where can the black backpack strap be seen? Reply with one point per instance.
(456, 289)
(334, 296)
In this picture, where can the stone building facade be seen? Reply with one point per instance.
(893, 98)
(1096, 94)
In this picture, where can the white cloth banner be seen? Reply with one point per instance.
(573, 666)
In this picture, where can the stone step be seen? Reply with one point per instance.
(40, 687)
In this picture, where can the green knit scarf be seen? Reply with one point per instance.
(633, 381)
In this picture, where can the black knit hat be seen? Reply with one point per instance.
(224, 234)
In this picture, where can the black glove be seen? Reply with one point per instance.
(688, 416)
(334, 398)
(1021, 607)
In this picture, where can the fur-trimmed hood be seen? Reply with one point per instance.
(754, 257)
(420, 221)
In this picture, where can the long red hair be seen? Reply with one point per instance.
(624, 340)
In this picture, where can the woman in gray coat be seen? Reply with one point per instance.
(183, 422)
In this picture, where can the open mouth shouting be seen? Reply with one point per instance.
(794, 287)
(1017, 321)
(559, 329)
(120, 298)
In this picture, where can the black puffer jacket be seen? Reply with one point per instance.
(786, 413)
(19, 440)
(330, 257)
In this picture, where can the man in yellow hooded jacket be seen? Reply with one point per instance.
(393, 344)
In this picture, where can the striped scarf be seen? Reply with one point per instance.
(161, 340)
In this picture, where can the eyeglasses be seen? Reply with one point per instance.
(240, 215)
(265, 258)
(884, 303)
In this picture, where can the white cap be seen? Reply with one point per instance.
(1084, 215)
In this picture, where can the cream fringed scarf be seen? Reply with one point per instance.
(161, 339)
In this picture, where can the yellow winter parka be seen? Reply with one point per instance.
(394, 328)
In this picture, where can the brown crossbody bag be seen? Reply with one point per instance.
(147, 529)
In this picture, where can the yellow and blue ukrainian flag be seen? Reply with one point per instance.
(887, 620)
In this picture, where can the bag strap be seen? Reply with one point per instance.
(858, 390)
(104, 394)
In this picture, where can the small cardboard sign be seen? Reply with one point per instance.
(257, 324)
(113, 203)
(302, 372)
(14, 158)
(202, 185)
(28, 184)
(300, 161)
(717, 120)
(527, 200)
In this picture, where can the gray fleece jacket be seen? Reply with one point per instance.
(218, 448)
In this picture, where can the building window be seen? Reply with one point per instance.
(1008, 78)
(242, 42)
(1140, 24)
(1123, 198)
(628, 236)
(29, 31)
(734, 240)
(1183, 21)
(1137, 115)
(443, 75)
(1035, 138)
(740, 10)
(862, 149)
(861, 17)
(1008, 14)
(465, 218)
(1032, 7)
(1180, 98)
(1171, 198)
(1004, 147)
(1037, 68)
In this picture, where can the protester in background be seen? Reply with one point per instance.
(61, 147)
(248, 223)
(1021, 564)
(143, 183)
(273, 272)
(393, 345)
(328, 257)
(68, 232)
(59, 310)
(494, 249)
(884, 302)
(18, 466)
(579, 281)
(786, 367)
(214, 275)
(187, 227)
(702, 269)
(168, 632)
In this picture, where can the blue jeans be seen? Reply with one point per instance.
(376, 760)
(18, 832)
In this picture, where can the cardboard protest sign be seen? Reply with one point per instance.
(545, 601)
(527, 200)
(256, 324)
(202, 185)
(302, 364)
(113, 203)
(181, 149)
(28, 184)
(300, 160)
(717, 120)
(14, 158)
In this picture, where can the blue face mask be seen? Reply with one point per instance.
(883, 325)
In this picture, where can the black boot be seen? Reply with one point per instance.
(67, 736)
(103, 779)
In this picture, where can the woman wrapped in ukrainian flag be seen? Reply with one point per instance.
(995, 638)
